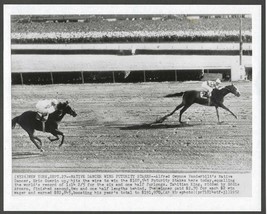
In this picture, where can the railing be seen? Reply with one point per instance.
(129, 57)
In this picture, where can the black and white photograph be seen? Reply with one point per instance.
(132, 107)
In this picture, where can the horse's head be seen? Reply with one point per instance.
(233, 89)
(64, 107)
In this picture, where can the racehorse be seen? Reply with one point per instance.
(191, 97)
(29, 122)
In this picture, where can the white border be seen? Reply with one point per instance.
(135, 203)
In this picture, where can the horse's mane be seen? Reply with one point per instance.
(59, 110)
(225, 87)
(62, 105)
(230, 86)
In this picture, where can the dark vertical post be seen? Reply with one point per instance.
(113, 76)
(241, 41)
(82, 77)
(21, 78)
(52, 80)
(144, 76)
(175, 75)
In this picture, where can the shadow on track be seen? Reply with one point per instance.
(153, 126)
(23, 155)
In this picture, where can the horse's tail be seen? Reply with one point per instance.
(175, 95)
(14, 121)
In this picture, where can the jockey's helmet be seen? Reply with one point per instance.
(218, 81)
(54, 102)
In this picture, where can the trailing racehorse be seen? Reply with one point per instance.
(191, 97)
(29, 122)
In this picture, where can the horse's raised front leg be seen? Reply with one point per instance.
(168, 115)
(56, 133)
(227, 109)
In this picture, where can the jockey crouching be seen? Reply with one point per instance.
(209, 86)
(44, 108)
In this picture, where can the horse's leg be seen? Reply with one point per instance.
(217, 112)
(54, 138)
(56, 133)
(182, 111)
(32, 138)
(168, 115)
(37, 138)
(227, 109)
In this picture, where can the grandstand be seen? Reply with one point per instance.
(133, 17)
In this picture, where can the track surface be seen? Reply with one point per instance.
(111, 132)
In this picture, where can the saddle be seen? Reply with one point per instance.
(205, 95)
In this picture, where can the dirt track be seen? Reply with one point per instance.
(110, 133)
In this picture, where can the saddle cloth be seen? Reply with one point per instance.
(204, 94)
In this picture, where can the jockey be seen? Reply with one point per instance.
(44, 108)
(210, 85)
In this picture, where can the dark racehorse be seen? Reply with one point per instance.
(29, 122)
(191, 97)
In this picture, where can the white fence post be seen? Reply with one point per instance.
(237, 72)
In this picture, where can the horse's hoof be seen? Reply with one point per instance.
(42, 150)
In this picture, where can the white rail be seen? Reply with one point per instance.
(124, 46)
